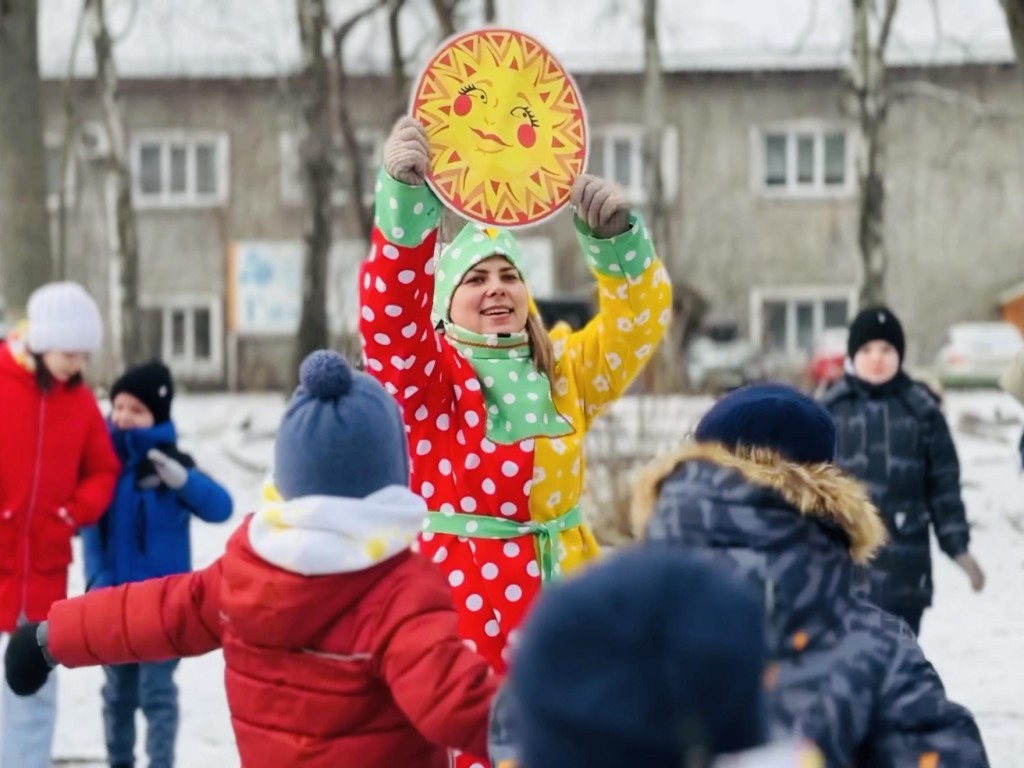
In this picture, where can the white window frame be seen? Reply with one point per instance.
(53, 140)
(291, 189)
(792, 295)
(186, 365)
(634, 134)
(188, 199)
(791, 189)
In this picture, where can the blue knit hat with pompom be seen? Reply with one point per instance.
(341, 434)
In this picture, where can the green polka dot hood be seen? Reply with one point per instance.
(472, 245)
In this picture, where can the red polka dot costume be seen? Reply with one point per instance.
(456, 465)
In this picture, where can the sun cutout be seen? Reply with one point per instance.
(507, 128)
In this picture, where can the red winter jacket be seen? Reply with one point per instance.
(355, 669)
(57, 473)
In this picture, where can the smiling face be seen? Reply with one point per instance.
(492, 298)
(506, 128)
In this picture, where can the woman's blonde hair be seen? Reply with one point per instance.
(542, 351)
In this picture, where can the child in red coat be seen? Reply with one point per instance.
(340, 644)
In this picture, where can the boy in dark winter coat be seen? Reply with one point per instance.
(759, 494)
(340, 644)
(893, 437)
(144, 534)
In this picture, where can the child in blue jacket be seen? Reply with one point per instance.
(142, 535)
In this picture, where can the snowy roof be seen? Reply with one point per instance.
(259, 38)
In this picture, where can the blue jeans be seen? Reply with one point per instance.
(26, 726)
(152, 687)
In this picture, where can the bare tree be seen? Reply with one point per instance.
(317, 172)
(123, 230)
(445, 12)
(1014, 10)
(67, 148)
(353, 150)
(866, 83)
(490, 12)
(25, 256)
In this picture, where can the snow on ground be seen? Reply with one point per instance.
(973, 640)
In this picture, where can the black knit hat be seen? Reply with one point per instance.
(152, 384)
(875, 324)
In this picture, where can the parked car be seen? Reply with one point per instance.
(719, 359)
(977, 354)
(825, 364)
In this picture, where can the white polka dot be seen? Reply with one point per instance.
(460, 438)
(533, 569)
(444, 467)
(427, 535)
(491, 628)
(406, 276)
(533, 396)
(391, 388)
(509, 469)
(513, 592)
(473, 385)
(472, 461)
(393, 203)
(531, 418)
(441, 554)
(409, 331)
(469, 644)
(458, 391)
(418, 208)
(397, 232)
(508, 509)
(367, 280)
(509, 398)
(526, 446)
(368, 315)
(421, 413)
(392, 310)
(532, 376)
(427, 490)
(526, 487)
(488, 486)
(423, 447)
(429, 367)
(374, 365)
(630, 255)
(468, 504)
(487, 446)
(382, 338)
(472, 418)
(390, 251)
(472, 526)
(455, 578)
(447, 509)
(443, 422)
(380, 285)
(513, 376)
(511, 549)
(489, 571)
(474, 602)
(488, 381)
(594, 248)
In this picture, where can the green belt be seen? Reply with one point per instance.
(486, 527)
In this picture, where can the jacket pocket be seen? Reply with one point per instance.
(8, 539)
(51, 534)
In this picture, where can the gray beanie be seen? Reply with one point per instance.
(62, 317)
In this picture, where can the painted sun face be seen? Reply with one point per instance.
(506, 126)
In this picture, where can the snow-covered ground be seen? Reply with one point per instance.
(975, 641)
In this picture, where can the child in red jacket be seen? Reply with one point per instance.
(340, 644)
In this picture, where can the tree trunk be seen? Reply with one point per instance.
(318, 173)
(399, 88)
(25, 255)
(867, 86)
(490, 12)
(445, 12)
(665, 371)
(353, 152)
(123, 231)
(67, 149)
(1015, 22)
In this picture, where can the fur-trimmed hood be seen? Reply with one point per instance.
(819, 491)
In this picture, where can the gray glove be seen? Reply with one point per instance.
(171, 473)
(407, 152)
(601, 205)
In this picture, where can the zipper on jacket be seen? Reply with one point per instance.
(31, 505)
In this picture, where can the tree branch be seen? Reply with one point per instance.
(883, 35)
(908, 89)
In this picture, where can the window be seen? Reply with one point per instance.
(180, 170)
(370, 143)
(185, 331)
(789, 322)
(803, 160)
(54, 156)
(617, 154)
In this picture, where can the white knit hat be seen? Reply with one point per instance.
(62, 317)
